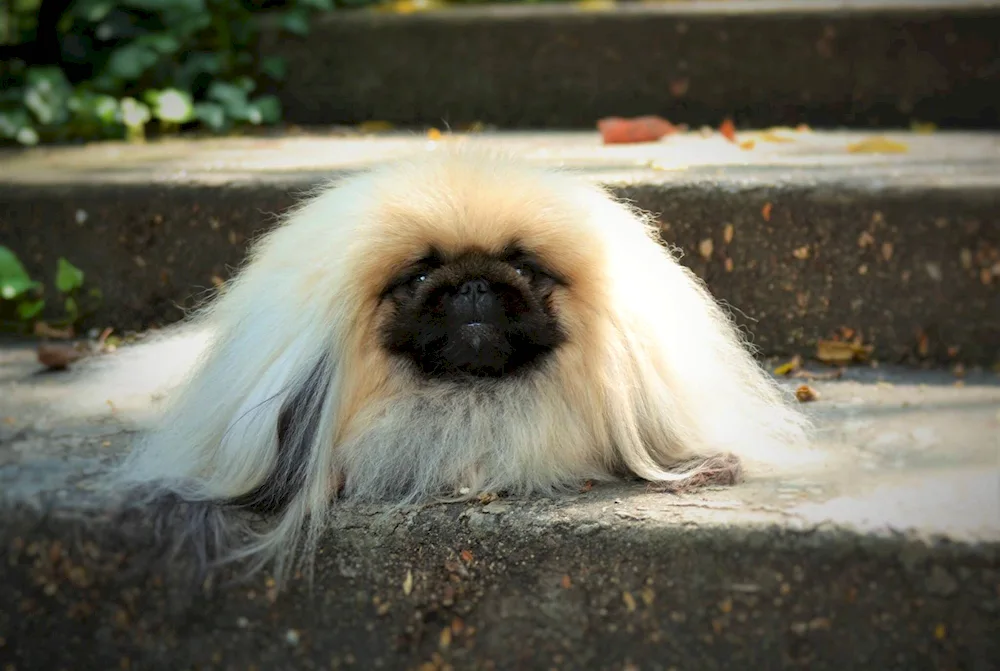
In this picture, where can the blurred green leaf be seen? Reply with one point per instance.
(269, 108)
(14, 279)
(296, 21)
(171, 105)
(131, 60)
(47, 94)
(211, 114)
(134, 114)
(68, 276)
(30, 309)
(72, 311)
(274, 67)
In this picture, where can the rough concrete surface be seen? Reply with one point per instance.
(799, 235)
(888, 558)
(828, 63)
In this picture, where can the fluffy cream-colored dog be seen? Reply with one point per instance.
(457, 322)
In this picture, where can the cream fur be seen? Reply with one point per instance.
(653, 374)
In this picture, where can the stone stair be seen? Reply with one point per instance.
(889, 560)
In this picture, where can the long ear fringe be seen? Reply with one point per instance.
(697, 392)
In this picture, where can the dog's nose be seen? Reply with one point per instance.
(474, 288)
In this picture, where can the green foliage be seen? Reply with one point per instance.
(129, 67)
(22, 299)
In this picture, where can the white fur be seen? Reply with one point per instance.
(661, 375)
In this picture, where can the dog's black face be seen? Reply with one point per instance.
(474, 315)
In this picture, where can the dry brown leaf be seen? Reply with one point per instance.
(766, 211)
(705, 248)
(566, 582)
(466, 556)
(43, 330)
(727, 233)
(747, 145)
(58, 356)
(877, 145)
(728, 130)
(801, 253)
(629, 601)
(621, 130)
(772, 136)
(433, 134)
(374, 126)
(841, 352)
(804, 393)
(408, 583)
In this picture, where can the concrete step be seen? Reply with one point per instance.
(828, 63)
(801, 236)
(889, 559)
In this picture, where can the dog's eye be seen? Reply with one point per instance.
(524, 271)
(422, 277)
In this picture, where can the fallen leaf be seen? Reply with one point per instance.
(679, 87)
(804, 393)
(727, 233)
(595, 5)
(801, 253)
(43, 330)
(789, 366)
(466, 556)
(457, 626)
(772, 136)
(841, 352)
(728, 130)
(766, 211)
(434, 134)
(705, 248)
(923, 344)
(621, 130)
(566, 583)
(587, 486)
(445, 638)
(629, 601)
(747, 145)
(58, 357)
(877, 145)
(374, 126)
(408, 583)
(803, 128)
(728, 264)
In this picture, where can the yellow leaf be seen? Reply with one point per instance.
(772, 136)
(408, 583)
(789, 366)
(629, 601)
(877, 145)
(595, 5)
(841, 352)
(374, 126)
(407, 6)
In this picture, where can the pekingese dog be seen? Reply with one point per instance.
(450, 325)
